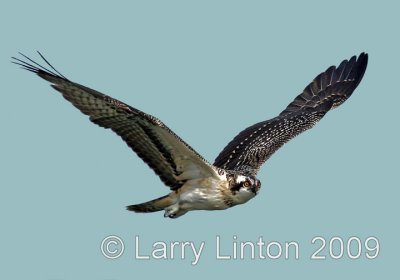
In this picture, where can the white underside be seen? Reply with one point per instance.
(205, 194)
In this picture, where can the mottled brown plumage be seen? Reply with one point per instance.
(254, 145)
(195, 183)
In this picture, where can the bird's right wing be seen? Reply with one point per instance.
(167, 154)
(254, 145)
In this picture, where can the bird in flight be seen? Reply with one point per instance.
(195, 183)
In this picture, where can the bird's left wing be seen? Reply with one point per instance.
(254, 145)
(167, 154)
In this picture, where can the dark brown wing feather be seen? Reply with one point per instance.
(169, 156)
(254, 145)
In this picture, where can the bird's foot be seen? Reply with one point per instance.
(171, 212)
(174, 211)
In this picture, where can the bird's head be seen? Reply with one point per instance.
(247, 186)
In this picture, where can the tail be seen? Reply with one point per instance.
(153, 205)
(334, 85)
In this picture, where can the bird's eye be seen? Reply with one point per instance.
(246, 184)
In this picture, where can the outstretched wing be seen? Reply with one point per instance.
(169, 156)
(254, 145)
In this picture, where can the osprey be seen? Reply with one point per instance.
(195, 183)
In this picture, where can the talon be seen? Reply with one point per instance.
(165, 214)
(170, 213)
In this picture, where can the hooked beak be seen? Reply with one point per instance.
(256, 187)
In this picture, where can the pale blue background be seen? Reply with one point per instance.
(208, 69)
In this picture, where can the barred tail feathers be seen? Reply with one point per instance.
(154, 205)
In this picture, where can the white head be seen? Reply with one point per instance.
(244, 187)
